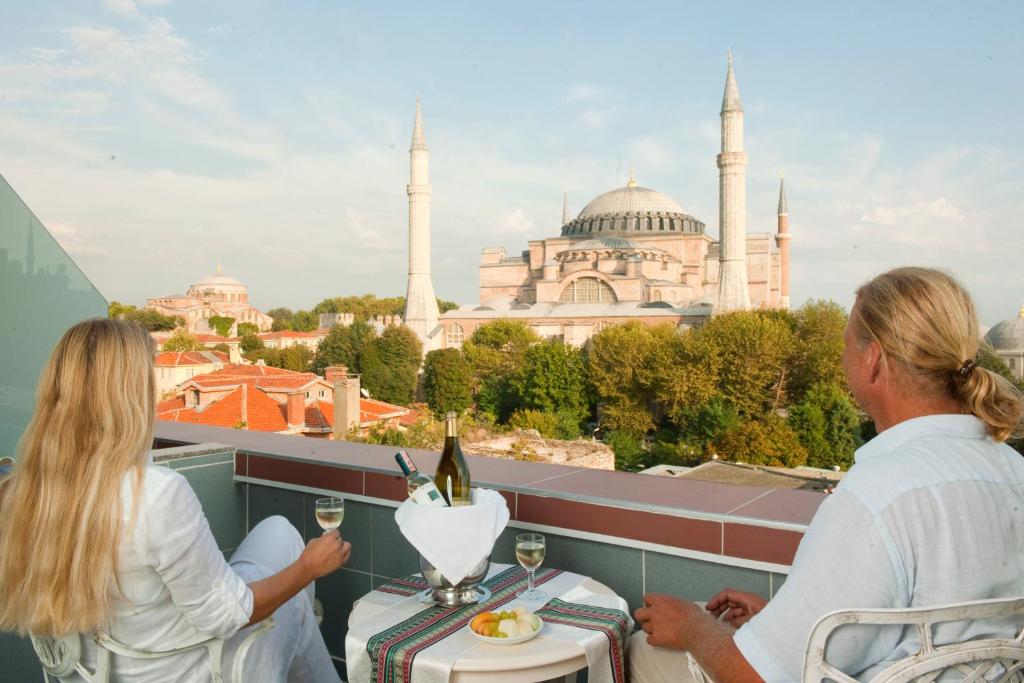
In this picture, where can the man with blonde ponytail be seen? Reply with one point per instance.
(93, 536)
(932, 512)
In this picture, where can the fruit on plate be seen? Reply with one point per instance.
(511, 624)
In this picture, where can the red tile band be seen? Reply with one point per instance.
(761, 543)
(306, 474)
(386, 486)
(679, 532)
(241, 464)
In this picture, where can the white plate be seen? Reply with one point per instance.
(508, 641)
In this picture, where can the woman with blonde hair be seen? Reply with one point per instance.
(93, 535)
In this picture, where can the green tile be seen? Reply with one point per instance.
(266, 501)
(392, 555)
(19, 659)
(504, 548)
(223, 502)
(339, 665)
(200, 460)
(777, 581)
(698, 580)
(337, 592)
(355, 528)
(616, 567)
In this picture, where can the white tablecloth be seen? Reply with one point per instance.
(434, 663)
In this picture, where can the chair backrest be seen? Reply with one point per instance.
(973, 660)
(61, 656)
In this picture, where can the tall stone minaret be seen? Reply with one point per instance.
(565, 208)
(782, 240)
(733, 293)
(421, 312)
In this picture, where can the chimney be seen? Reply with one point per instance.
(335, 373)
(234, 354)
(297, 409)
(346, 405)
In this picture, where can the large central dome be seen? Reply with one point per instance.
(628, 200)
(629, 211)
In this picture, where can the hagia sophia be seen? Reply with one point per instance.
(215, 295)
(632, 253)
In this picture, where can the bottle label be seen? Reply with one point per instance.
(428, 495)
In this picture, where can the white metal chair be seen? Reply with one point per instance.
(972, 661)
(61, 657)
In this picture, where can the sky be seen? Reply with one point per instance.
(157, 139)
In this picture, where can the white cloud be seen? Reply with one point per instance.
(585, 92)
(76, 241)
(516, 222)
(123, 8)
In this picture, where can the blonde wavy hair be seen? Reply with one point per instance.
(60, 509)
(925, 322)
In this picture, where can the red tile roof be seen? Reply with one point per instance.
(205, 338)
(248, 405)
(293, 334)
(178, 358)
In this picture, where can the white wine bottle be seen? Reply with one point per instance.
(421, 489)
(452, 476)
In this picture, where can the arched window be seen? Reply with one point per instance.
(454, 334)
(587, 290)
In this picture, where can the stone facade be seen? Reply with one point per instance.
(216, 295)
(1007, 340)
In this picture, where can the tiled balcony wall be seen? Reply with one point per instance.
(635, 533)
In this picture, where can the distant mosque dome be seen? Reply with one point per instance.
(218, 280)
(1007, 335)
(630, 210)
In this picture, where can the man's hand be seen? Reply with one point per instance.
(666, 620)
(325, 554)
(735, 607)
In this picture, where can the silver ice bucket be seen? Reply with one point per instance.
(465, 592)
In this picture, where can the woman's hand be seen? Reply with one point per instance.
(325, 554)
(735, 607)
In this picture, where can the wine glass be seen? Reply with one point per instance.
(329, 513)
(530, 554)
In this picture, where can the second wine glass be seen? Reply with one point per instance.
(530, 554)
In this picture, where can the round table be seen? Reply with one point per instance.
(539, 659)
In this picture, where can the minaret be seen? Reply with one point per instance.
(782, 241)
(421, 312)
(733, 292)
(565, 208)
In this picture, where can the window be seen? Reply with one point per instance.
(587, 290)
(454, 334)
(322, 393)
(195, 397)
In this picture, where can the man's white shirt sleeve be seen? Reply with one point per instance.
(846, 558)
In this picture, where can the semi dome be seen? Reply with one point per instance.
(1007, 335)
(632, 210)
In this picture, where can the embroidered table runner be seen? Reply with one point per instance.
(410, 641)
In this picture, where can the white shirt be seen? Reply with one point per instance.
(178, 589)
(931, 513)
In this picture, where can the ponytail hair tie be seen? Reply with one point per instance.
(965, 369)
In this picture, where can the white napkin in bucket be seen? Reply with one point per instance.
(454, 539)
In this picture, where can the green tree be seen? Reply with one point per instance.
(390, 363)
(305, 321)
(249, 344)
(552, 379)
(247, 328)
(447, 381)
(496, 350)
(687, 380)
(154, 321)
(700, 428)
(828, 425)
(342, 346)
(817, 355)
(282, 319)
(116, 309)
(222, 347)
(762, 442)
(363, 307)
(181, 340)
(630, 455)
(221, 324)
(753, 349)
(445, 306)
(624, 363)
(295, 358)
(546, 424)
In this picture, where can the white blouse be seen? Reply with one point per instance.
(177, 587)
